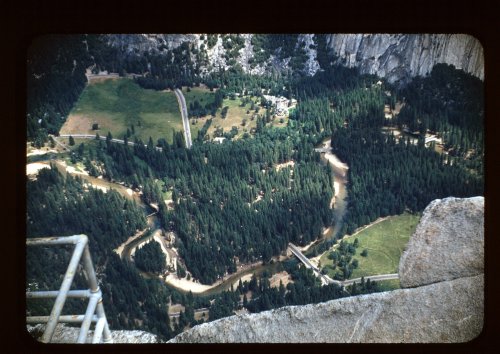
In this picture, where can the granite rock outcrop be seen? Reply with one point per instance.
(441, 300)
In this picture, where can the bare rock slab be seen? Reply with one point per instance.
(446, 312)
(447, 244)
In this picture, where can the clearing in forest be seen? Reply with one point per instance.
(384, 241)
(121, 104)
(243, 117)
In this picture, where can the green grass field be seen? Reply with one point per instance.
(388, 285)
(235, 113)
(117, 104)
(385, 242)
(203, 95)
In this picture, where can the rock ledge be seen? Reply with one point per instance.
(442, 300)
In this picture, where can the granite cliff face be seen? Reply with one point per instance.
(441, 300)
(396, 57)
(399, 57)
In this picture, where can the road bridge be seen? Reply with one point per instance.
(325, 279)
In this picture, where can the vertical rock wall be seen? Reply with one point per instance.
(398, 57)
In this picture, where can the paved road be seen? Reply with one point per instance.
(372, 278)
(90, 136)
(185, 119)
(59, 143)
(327, 279)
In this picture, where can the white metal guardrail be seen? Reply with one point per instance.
(95, 309)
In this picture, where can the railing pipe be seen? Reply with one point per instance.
(48, 241)
(84, 329)
(89, 270)
(63, 291)
(54, 293)
(99, 327)
(62, 318)
(95, 309)
(101, 314)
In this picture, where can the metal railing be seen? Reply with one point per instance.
(95, 309)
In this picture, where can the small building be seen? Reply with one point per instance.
(219, 139)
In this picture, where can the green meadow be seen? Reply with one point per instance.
(384, 242)
(120, 104)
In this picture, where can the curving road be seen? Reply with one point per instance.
(327, 280)
(90, 136)
(185, 119)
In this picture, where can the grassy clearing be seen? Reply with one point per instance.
(388, 285)
(385, 243)
(234, 117)
(199, 94)
(118, 104)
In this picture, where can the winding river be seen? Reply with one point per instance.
(339, 170)
(339, 203)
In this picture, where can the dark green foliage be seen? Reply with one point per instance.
(203, 131)
(54, 82)
(150, 258)
(322, 55)
(196, 109)
(211, 40)
(215, 188)
(363, 287)
(58, 206)
(171, 70)
(56, 77)
(387, 177)
(342, 261)
(224, 305)
(364, 253)
(181, 271)
(305, 289)
(450, 103)
(232, 43)
(264, 45)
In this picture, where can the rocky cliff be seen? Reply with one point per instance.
(397, 57)
(64, 334)
(402, 56)
(441, 300)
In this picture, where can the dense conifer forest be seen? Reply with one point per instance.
(150, 258)
(231, 202)
(241, 201)
(59, 206)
